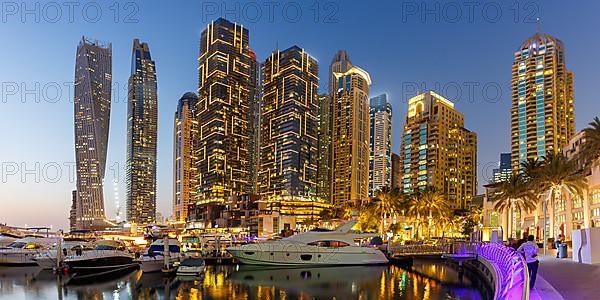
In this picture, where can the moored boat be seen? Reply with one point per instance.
(319, 247)
(22, 251)
(154, 258)
(106, 257)
(191, 267)
(47, 259)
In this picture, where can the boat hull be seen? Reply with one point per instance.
(190, 271)
(155, 263)
(304, 255)
(17, 257)
(46, 263)
(100, 264)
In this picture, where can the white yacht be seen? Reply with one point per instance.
(318, 247)
(154, 259)
(46, 259)
(22, 251)
(107, 256)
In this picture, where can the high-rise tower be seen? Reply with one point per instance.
(324, 167)
(142, 123)
(92, 98)
(289, 135)
(542, 114)
(380, 164)
(350, 138)
(184, 160)
(437, 151)
(254, 114)
(222, 114)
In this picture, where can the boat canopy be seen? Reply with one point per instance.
(109, 245)
(161, 248)
(192, 262)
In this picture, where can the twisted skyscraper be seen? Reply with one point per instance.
(92, 98)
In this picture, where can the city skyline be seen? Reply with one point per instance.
(115, 144)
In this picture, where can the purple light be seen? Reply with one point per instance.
(511, 267)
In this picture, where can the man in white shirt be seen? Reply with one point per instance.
(530, 250)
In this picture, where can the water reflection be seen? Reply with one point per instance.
(427, 280)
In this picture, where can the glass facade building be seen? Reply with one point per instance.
(254, 114)
(92, 101)
(380, 162)
(437, 150)
(542, 114)
(142, 127)
(184, 160)
(289, 133)
(350, 138)
(225, 67)
(504, 170)
(325, 152)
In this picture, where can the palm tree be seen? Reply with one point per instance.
(368, 217)
(558, 176)
(429, 203)
(531, 167)
(389, 202)
(512, 195)
(590, 149)
(337, 212)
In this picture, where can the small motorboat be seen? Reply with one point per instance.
(191, 267)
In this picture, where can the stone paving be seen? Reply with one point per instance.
(566, 279)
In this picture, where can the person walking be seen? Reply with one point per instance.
(530, 250)
(557, 243)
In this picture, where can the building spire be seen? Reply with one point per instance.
(538, 23)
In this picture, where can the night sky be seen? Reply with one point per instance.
(461, 50)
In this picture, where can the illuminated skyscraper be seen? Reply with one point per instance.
(73, 212)
(92, 98)
(350, 138)
(437, 150)
(254, 111)
(222, 113)
(289, 142)
(380, 163)
(142, 123)
(397, 172)
(339, 64)
(324, 167)
(542, 114)
(504, 170)
(184, 161)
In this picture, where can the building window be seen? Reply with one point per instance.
(560, 205)
(595, 197)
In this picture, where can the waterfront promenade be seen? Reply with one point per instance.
(566, 279)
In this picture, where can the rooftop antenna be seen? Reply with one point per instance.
(538, 25)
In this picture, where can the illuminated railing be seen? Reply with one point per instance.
(398, 249)
(512, 279)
